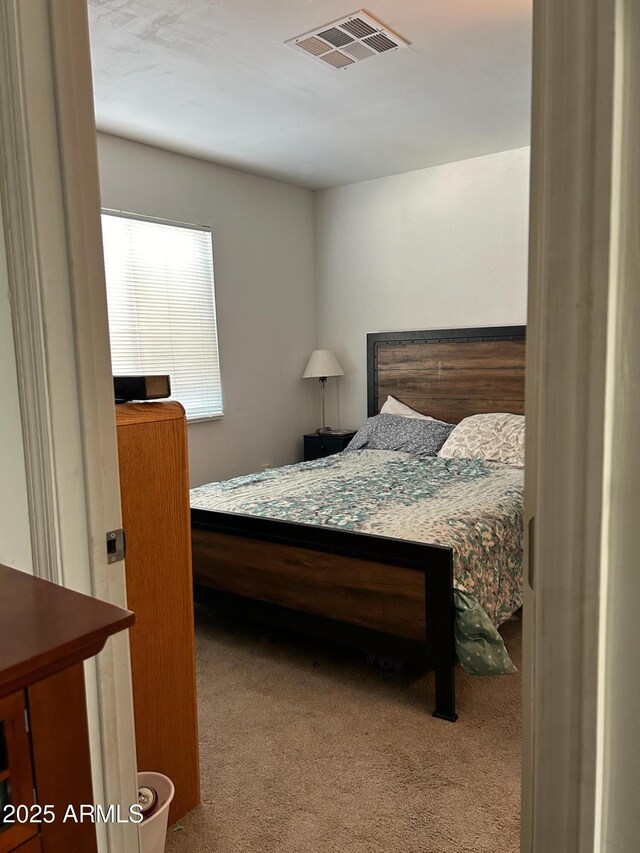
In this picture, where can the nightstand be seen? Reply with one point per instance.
(317, 445)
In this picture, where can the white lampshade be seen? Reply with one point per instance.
(322, 363)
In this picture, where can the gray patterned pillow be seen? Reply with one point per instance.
(395, 432)
(497, 437)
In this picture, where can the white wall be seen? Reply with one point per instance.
(438, 248)
(264, 278)
(15, 537)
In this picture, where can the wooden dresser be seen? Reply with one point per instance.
(46, 632)
(154, 486)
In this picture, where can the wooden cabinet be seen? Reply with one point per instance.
(16, 777)
(154, 485)
(45, 634)
(33, 845)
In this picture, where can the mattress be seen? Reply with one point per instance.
(473, 507)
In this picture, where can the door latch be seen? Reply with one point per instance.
(116, 545)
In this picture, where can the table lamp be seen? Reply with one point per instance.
(321, 365)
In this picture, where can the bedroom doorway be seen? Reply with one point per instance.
(558, 813)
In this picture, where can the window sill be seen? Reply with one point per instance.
(203, 418)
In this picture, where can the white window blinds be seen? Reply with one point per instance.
(162, 315)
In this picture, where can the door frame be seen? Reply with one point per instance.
(51, 208)
(618, 816)
(51, 203)
(572, 338)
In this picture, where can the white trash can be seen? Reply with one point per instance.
(153, 830)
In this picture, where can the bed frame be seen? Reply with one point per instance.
(384, 595)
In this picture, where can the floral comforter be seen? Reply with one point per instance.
(474, 507)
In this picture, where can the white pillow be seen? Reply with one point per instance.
(395, 407)
(496, 437)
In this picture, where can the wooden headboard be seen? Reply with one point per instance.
(448, 373)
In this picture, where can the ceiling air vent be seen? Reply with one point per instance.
(350, 40)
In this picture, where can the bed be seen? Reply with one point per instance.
(343, 580)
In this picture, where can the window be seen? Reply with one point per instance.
(162, 314)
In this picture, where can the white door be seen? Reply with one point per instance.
(581, 777)
(50, 209)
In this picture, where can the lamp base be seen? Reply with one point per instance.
(324, 430)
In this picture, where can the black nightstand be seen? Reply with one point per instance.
(317, 445)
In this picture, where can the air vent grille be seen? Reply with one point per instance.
(337, 59)
(358, 51)
(314, 46)
(380, 42)
(358, 28)
(336, 37)
(348, 41)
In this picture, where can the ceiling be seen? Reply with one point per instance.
(214, 79)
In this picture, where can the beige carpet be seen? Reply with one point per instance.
(306, 749)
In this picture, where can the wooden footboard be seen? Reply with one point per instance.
(361, 592)
(363, 588)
